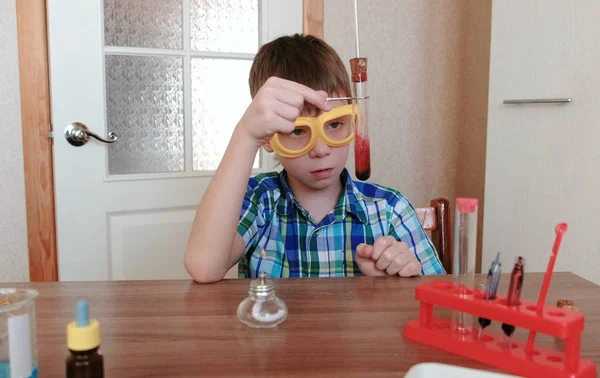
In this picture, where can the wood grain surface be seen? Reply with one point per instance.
(350, 327)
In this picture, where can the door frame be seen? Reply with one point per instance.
(37, 129)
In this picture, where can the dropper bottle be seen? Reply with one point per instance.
(83, 341)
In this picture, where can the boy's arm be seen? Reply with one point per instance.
(214, 245)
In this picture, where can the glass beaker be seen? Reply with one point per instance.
(18, 340)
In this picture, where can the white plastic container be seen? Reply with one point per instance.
(434, 370)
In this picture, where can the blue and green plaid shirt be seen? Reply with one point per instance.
(296, 246)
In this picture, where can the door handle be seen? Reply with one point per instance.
(539, 101)
(78, 134)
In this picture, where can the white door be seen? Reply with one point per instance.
(170, 79)
(543, 160)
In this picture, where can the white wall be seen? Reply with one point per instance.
(13, 225)
(543, 159)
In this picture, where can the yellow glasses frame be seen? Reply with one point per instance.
(317, 132)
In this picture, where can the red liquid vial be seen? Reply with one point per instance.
(362, 158)
(362, 145)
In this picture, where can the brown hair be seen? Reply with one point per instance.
(304, 59)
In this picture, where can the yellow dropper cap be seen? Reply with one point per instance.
(83, 334)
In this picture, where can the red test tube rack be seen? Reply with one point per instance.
(489, 350)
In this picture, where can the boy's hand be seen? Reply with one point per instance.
(387, 256)
(276, 106)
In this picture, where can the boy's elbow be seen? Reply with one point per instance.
(204, 278)
(202, 273)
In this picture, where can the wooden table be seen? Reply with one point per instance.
(350, 327)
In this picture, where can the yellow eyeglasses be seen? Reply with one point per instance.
(335, 127)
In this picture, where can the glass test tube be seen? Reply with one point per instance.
(465, 243)
(362, 143)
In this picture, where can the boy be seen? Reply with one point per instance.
(311, 219)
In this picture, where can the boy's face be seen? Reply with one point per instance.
(322, 165)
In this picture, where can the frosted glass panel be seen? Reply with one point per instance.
(224, 25)
(143, 23)
(145, 109)
(220, 96)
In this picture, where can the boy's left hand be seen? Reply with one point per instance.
(387, 256)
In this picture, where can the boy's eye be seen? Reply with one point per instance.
(297, 132)
(335, 125)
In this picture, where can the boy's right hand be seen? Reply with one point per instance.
(387, 256)
(275, 108)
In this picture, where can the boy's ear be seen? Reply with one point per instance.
(267, 147)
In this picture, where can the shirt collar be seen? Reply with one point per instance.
(351, 200)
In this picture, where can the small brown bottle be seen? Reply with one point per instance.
(83, 341)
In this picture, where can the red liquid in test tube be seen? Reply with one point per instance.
(362, 157)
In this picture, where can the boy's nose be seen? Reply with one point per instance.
(320, 149)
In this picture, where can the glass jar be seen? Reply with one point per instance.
(465, 245)
(18, 350)
(262, 309)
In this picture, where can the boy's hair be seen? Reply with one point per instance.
(304, 59)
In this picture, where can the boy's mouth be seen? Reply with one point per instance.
(322, 173)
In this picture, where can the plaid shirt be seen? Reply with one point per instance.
(296, 246)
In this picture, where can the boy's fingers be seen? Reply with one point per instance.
(364, 262)
(291, 98)
(287, 112)
(386, 258)
(413, 268)
(318, 99)
(396, 265)
(364, 250)
(381, 245)
(367, 267)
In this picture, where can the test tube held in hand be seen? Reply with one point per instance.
(362, 142)
(514, 293)
(465, 242)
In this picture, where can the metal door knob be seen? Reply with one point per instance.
(78, 134)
